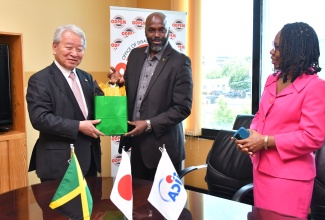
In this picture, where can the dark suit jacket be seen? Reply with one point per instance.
(55, 113)
(167, 102)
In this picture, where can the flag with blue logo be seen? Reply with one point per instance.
(122, 194)
(167, 194)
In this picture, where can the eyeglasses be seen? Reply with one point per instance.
(275, 47)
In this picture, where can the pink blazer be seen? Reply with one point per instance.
(296, 119)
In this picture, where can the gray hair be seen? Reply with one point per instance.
(70, 27)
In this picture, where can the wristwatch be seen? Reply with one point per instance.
(149, 129)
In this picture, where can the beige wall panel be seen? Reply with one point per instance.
(17, 162)
(4, 166)
(197, 150)
(37, 20)
(161, 4)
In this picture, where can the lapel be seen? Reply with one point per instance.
(298, 85)
(63, 85)
(271, 85)
(162, 62)
(135, 76)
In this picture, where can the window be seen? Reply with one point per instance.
(229, 53)
(278, 13)
(227, 31)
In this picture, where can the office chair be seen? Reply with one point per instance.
(228, 169)
(317, 206)
(243, 120)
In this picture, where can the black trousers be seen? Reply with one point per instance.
(92, 171)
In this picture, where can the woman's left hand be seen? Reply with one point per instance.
(252, 144)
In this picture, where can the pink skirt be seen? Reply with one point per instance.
(285, 196)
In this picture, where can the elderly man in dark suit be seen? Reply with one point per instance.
(60, 102)
(159, 87)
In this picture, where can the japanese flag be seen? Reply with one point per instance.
(121, 194)
(167, 194)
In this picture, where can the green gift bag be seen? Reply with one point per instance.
(112, 110)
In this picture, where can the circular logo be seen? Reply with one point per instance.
(116, 139)
(169, 188)
(178, 25)
(127, 32)
(116, 43)
(180, 46)
(139, 23)
(172, 35)
(118, 21)
(116, 160)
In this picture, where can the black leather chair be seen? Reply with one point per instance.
(228, 169)
(317, 206)
(243, 120)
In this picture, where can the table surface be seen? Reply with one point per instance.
(32, 202)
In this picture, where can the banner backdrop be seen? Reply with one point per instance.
(127, 31)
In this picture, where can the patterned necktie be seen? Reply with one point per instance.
(76, 91)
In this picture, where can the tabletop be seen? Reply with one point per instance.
(32, 203)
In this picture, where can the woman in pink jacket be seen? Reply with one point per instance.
(290, 124)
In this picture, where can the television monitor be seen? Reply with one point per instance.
(5, 90)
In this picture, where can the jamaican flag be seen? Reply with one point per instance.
(73, 198)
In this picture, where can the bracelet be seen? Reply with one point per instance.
(266, 139)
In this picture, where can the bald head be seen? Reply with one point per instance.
(157, 16)
(156, 31)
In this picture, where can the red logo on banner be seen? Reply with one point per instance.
(116, 139)
(121, 67)
(139, 23)
(116, 43)
(117, 159)
(180, 45)
(127, 32)
(118, 21)
(172, 35)
(178, 25)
